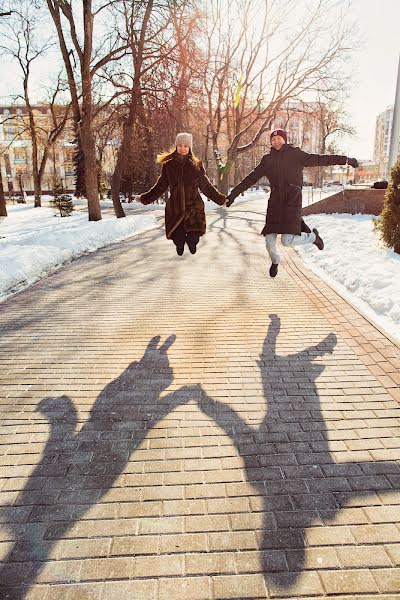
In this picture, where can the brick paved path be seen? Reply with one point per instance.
(188, 428)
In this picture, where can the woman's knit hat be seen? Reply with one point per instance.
(184, 138)
(280, 132)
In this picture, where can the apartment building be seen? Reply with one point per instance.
(16, 150)
(383, 131)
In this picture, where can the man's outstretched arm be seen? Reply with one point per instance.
(325, 160)
(251, 179)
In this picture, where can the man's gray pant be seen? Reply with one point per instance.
(287, 239)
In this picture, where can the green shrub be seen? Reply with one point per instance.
(61, 201)
(388, 223)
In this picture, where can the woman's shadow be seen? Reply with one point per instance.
(79, 467)
(287, 459)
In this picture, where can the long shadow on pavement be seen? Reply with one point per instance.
(288, 461)
(79, 467)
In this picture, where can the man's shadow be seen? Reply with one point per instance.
(79, 467)
(287, 458)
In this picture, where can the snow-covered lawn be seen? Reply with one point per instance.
(355, 263)
(34, 243)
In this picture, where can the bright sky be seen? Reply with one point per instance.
(376, 67)
(375, 71)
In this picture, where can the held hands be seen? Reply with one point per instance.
(353, 162)
(229, 200)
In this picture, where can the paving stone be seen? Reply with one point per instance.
(312, 558)
(79, 591)
(394, 552)
(239, 586)
(134, 589)
(388, 580)
(187, 542)
(382, 514)
(294, 585)
(351, 581)
(210, 564)
(134, 545)
(373, 534)
(363, 556)
(252, 561)
(190, 588)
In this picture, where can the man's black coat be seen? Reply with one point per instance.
(284, 169)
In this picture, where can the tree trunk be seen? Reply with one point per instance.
(124, 149)
(3, 209)
(33, 135)
(79, 166)
(149, 142)
(123, 153)
(223, 183)
(79, 121)
(86, 130)
(37, 189)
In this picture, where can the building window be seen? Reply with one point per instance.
(20, 157)
(9, 132)
(69, 169)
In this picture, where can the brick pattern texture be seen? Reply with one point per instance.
(188, 428)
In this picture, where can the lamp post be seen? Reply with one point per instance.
(395, 134)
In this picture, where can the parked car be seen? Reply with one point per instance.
(380, 185)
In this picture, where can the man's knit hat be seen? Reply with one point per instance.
(280, 132)
(184, 138)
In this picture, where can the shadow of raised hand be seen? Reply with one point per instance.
(79, 467)
(289, 462)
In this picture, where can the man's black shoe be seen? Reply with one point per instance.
(192, 248)
(179, 250)
(273, 270)
(318, 240)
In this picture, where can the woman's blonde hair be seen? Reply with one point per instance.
(164, 156)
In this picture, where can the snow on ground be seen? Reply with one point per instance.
(356, 264)
(34, 243)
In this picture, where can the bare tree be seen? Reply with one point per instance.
(252, 69)
(333, 124)
(80, 79)
(5, 13)
(20, 41)
(59, 115)
(152, 38)
(326, 117)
